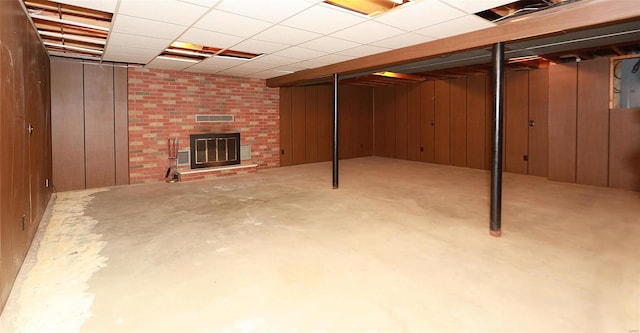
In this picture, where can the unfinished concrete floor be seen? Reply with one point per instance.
(400, 247)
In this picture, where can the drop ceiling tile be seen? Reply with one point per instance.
(168, 64)
(419, 15)
(367, 32)
(237, 72)
(309, 64)
(363, 50)
(231, 24)
(329, 44)
(403, 40)
(275, 59)
(121, 49)
(259, 46)
(209, 38)
(102, 5)
(118, 38)
(323, 20)
(300, 53)
(266, 74)
(201, 71)
(271, 11)
(251, 67)
(331, 59)
(288, 69)
(456, 26)
(322, 61)
(475, 6)
(143, 27)
(170, 11)
(128, 58)
(275, 72)
(286, 35)
(203, 3)
(217, 63)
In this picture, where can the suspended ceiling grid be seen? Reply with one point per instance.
(292, 35)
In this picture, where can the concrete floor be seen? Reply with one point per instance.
(400, 247)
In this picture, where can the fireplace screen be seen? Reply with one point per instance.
(214, 149)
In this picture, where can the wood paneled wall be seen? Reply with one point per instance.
(563, 80)
(581, 134)
(306, 123)
(450, 122)
(89, 125)
(624, 155)
(557, 124)
(592, 142)
(26, 158)
(478, 142)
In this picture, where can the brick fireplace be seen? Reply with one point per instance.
(164, 104)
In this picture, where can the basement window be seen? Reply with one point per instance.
(370, 8)
(625, 82)
(188, 52)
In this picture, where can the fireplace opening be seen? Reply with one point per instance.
(214, 149)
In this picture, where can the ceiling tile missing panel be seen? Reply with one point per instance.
(457, 26)
(70, 30)
(520, 7)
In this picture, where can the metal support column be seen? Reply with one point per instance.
(496, 144)
(335, 131)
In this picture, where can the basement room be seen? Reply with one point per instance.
(319, 166)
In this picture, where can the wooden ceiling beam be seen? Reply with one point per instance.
(570, 17)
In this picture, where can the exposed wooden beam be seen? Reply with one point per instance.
(571, 17)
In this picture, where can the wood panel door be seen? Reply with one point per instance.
(490, 120)
(67, 125)
(592, 162)
(38, 115)
(368, 121)
(516, 122)
(624, 154)
(458, 116)
(388, 105)
(442, 123)
(14, 192)
(401, 109)
(311, 124)
(298, 125)
(427, 122)
(345, 111)
(325, 122)
(378, 122)
(538, 116)
(99, 126)
(413, 122)
(476, 121)
(121, 118)
(562, 122)
(286, 147)
(362, 124)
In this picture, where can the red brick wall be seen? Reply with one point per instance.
(164, 103)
